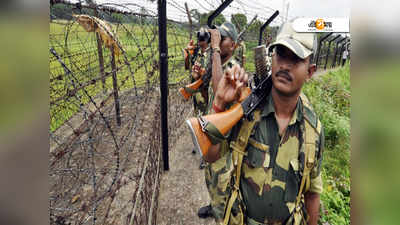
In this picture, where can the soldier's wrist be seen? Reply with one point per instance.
(219, 104)
(215, 46)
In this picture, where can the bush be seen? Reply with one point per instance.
(330, 96)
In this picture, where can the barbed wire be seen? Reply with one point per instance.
(105, 156)
(102, 171)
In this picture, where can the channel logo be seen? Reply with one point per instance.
(341, 25)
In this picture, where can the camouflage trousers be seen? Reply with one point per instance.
(218, 176)
(200, 104)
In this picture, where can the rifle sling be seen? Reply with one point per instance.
(239, 150)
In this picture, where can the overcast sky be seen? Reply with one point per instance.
(263, 8)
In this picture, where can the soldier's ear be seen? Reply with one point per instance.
(233, 45)
(311, 70)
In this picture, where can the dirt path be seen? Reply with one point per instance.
(183, 190)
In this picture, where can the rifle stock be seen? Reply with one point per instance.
(223, 121)
(194, 86)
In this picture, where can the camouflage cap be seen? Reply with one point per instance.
(227, 29)
(302, 44)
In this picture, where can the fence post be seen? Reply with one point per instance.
(115, 86)
(190, 20)
(341, 61)
(101, 57)
(336, 51)
(163, 51)
(329, 49)
(320, 47)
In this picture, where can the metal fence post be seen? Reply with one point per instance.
(115, 86)
(336, 51)
(341, 61)
(190, 20)
(328, 50)
(163, 50)
(320, 47)
(100, 54)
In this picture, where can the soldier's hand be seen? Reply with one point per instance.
(230, 86)
(196, 71)
(215, 38)
(190, 47)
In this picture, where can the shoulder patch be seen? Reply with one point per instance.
(310, 116)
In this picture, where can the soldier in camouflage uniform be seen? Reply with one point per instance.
(223, 40)
(199, 60)
(283, 146)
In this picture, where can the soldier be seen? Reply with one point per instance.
(223, 40)
(279, 164)
(196, 60)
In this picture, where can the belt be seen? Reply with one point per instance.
(251, 221)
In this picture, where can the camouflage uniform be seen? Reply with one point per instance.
(200, 98)
(271, 169)
(273, 166)
(213, 170)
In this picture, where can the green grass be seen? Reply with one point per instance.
(249, 66)
(330, 97)
(79, 53)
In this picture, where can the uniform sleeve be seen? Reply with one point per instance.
(316, 184)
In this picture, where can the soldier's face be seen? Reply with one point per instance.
(227, 46)
(289, 72)
(203, 44)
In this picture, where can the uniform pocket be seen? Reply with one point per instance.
(255, 166)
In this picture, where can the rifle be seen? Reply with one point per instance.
(260, 52)
(248, 101)
(205, 75)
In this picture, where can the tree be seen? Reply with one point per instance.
(61, 11)
(239, 20)
(203, 19)
(220, 19)
(195, 15)
(117, 18)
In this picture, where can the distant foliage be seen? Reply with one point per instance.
(239, 20)
(330, 96)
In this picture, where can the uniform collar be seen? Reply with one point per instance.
(230, 60)
(270, 108)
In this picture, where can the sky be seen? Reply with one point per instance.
(263, 8)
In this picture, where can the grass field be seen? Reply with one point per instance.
(79, 52)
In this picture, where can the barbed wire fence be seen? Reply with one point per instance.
(105, 156)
